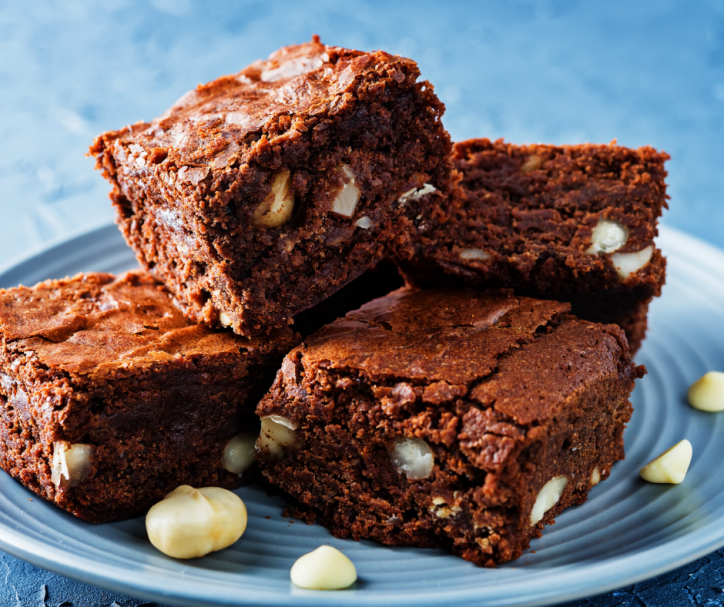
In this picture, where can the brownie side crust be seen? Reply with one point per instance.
(525, 218)
(310, 124)
(506, 393)
(110, 364)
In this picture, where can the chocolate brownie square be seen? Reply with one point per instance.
(258, 195)
(110, 398)
(462, 420)
(573, 223)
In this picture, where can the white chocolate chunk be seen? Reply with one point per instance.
(363, 222)
(416, 194)
(347, 198)
(225, 319)
(607, 237)
(595, 477)
(627, 264)
(413, 457)
(671, 466)
(277, 207)
(326, 568)
(475, 254)
(71, 463)
(189, 523)
(707, 393)
(548, 497)
(238, 454)
(277, 433)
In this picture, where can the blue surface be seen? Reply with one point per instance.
(553, 71)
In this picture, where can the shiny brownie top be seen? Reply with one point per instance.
(99, 323)
(217, 122)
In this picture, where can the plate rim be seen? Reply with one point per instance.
(601, 577)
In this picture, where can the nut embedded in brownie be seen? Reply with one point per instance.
(574, 223)
(456, 419)
(259, 194)
(110, 398)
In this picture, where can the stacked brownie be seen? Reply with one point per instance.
(457, 411)
(572, 223)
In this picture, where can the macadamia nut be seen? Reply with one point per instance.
(607, 237)
(442, 509)
(238, 454)
(478, 254)
(347, 198)
(531, 163)
(363, 222)
(225, 319)
(707, 393)
(326, 568)
(189, 523)
(669, 467)
(627, 264)
(277, 434)
(548, 497)
(416, 194)
(413, 457)
(277, 207)
(71, 463)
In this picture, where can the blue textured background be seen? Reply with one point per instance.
(554, 71)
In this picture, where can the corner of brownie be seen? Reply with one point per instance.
(259, 194)
(444, 418)
(110, 398)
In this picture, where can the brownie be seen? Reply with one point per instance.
(443, 418)
(557, 222)
(258, 195)
(110, 398)
(376, 282)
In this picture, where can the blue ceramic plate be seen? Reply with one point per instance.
(628, 530)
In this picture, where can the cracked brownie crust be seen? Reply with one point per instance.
(502, 393)
(526, 218)
(261, 193)
(108, 363)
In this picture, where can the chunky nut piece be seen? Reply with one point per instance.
(416, 194)
(277, 207)
(595, 477)
(363, 222)
(190, 523)
(441, 509)
(277, 433)
(607, 237)
(707, 393)
(531, 164)
(71, 463)
(627, 264)
(325, 568)
(412, 456)
(671, 466)
(225, 319)
(475, 254)
(348, 196)
(548, 497)
(238, 454)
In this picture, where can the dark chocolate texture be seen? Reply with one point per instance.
(507, 393)
(110, 363)
(258, 195)
(525, 217)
